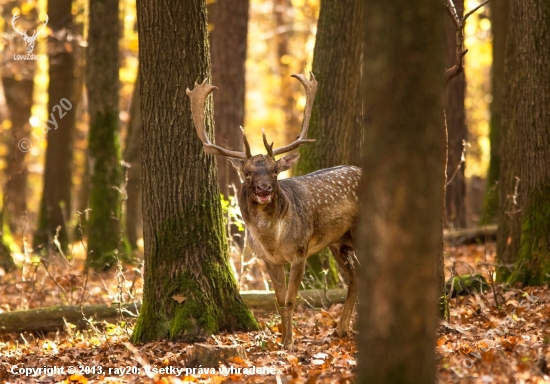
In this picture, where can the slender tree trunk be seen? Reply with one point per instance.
(185, 245)
(457, 132)
(282, 12)
(499, 29)
(19, 100)
(104, 232)
(524, 200)
(132, 156)
(55, 206)
(229, 19)
(400, 227)
(336, 116)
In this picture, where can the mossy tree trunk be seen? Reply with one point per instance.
(524, 200)
(457, 132)
(132, 156)
(336, 116)
(499, 30)
(185, 244)
(55, 205)
(229, 20)
(400, 226)
(103, 226)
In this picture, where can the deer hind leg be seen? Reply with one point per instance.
(278, 278)
(297, 269)
(345, 256)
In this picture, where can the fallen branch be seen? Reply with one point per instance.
(54, 318)
(469, 235)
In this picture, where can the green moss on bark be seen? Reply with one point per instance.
(105, 239)
(533, 266)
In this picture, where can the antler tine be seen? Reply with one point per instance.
(13, 19)
(311, 88)
(246, 145)
(198, 96)
(268, 147)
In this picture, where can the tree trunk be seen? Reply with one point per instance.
(457, 132)
(132, 156)
(19, 100)
(55, 206)
(185, 243)
(524, 203)
(104, 232)
(400, 227)
(499, 30)
(283, 14)
(336, 116)
(229, 19)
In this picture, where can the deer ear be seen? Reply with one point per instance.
(286, 162)
(238, 165)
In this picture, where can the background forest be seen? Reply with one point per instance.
(98, 150)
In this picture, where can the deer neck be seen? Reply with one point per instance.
(253, 212)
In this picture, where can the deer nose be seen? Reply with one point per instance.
(263, 187)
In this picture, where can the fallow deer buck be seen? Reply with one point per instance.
(291, 219)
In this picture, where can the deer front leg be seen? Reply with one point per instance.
(278, 278)
(297, 269)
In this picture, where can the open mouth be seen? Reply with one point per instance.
(263, 198)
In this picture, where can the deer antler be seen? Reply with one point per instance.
(198, 96)
(15, 17)
(311, 88)
(43, 26)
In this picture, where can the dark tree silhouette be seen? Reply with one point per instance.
(403, 171)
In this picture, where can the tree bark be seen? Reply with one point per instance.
(103, 226)
(185, 244)
(499, 30)
(524, 203)
(132, 156)
(336, 115)
(229, 19)
(55, 205)
(457, 132)
(19, 100)
(403, 170)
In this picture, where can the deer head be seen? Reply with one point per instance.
(29, 40)
(258, 173)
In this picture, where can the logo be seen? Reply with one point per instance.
(29, 40)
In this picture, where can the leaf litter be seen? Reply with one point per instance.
(466, 349)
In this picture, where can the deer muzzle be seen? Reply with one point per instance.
(263, 193)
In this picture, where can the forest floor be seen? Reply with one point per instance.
(465, 352)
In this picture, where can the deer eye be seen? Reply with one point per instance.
(247, 175)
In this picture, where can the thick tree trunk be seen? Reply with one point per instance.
(400, 228)
(229, 19)
(336, 116)
(55, 206)
(132, 156)
(524, 200)
(104, 232)
(185, 243)
(457, 132)
(499, 29)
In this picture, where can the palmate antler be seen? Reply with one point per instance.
(198, 97)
